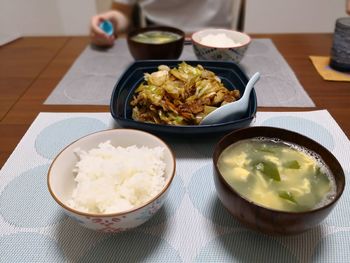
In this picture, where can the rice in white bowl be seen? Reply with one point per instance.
(115, 179)
(218, 40)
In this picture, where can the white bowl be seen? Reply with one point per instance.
(61, 180)
(233, 52)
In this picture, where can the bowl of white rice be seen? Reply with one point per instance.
(220, 44)
(112, 180)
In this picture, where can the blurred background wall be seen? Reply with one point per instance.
(103, 5)
(46, 17)
(278, 16)
(71, 17)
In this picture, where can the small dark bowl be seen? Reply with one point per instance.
(267, 220)
(142, 51)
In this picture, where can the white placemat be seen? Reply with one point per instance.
(6, 38)
(192, 226)
(92, 77)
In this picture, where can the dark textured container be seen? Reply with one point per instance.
(143, 51)
(231, 75)
(267, 220)
(340, 52)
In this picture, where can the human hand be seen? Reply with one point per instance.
(97, 35)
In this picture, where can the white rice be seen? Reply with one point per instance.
(111, 180)
(218, 40)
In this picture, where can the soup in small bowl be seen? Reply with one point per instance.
(156, 37)
(156, 42)
(276, 181)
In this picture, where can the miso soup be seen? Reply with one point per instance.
(277, 174)
(156, 37)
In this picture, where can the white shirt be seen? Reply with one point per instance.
(188, 15)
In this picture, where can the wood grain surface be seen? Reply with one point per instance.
(31, 67)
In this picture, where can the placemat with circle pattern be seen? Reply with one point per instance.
(192, 226)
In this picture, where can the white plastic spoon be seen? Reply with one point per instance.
(235, 109)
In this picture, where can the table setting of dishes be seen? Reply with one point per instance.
(184, 167)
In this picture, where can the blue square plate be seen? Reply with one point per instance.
(230, 74)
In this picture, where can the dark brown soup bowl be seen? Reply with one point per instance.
(143, 51)
(267, 220)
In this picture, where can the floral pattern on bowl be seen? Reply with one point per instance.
(61, 180)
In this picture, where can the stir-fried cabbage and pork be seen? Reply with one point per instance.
(179, 96)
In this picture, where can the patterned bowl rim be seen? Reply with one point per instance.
(222, 29)
(150, 201)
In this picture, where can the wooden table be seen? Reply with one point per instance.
(31, 67)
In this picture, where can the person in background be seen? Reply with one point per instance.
(348, 6)
(188, 15)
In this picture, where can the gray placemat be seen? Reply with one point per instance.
(92, 77)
